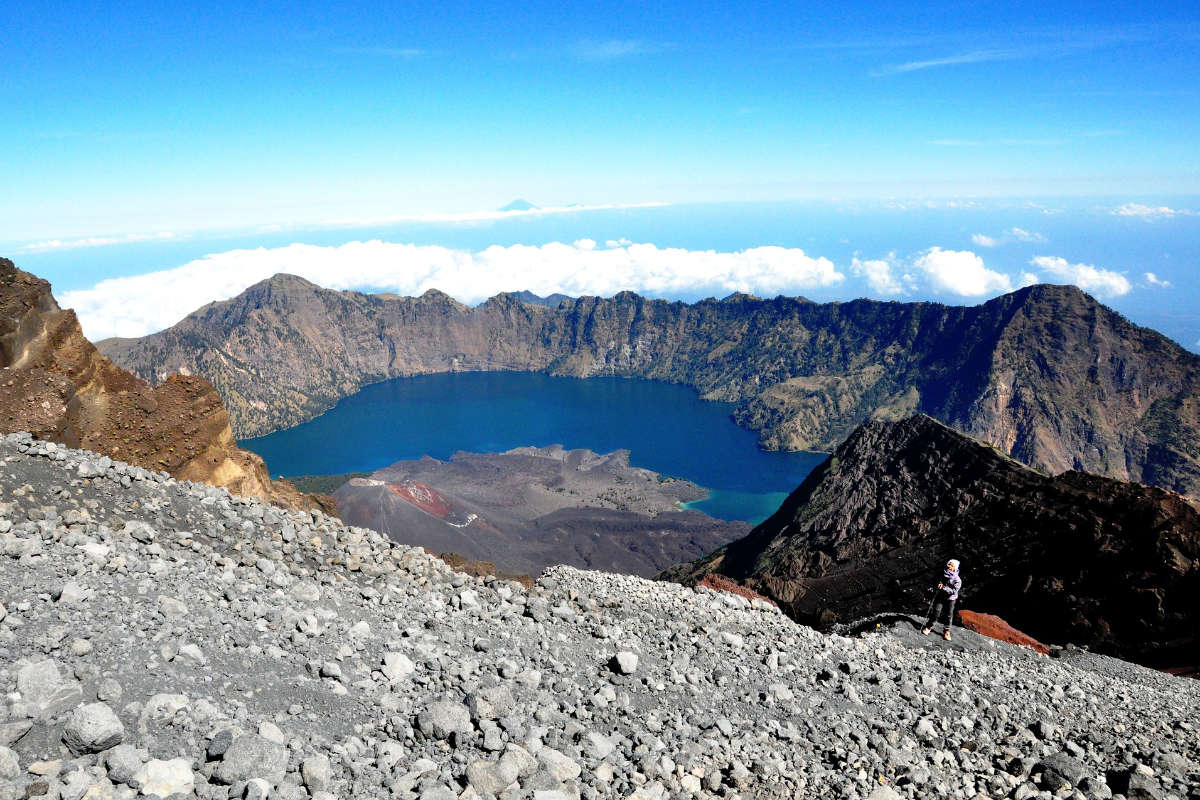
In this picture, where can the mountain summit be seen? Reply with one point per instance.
(519, 205)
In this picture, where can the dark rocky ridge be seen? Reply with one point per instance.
(1074, 558)
(1046, 374)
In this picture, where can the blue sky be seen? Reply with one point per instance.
(176, 152)
(139, 117)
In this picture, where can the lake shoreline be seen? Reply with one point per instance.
(667, 428)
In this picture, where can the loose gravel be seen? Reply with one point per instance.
(165, 639)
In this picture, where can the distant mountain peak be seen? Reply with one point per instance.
(282, 280)
(520, 204)
(550, 300)
(739, 297)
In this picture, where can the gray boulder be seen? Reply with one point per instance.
(625, 663)
(492, 777)
(443, 718)
(315, 772)
(45, 691)
(252, 756)
(92, 728)
(10, 767)
(1060, 771)
(122, 762)
(491, 703)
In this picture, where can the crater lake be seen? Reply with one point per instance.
(667, 429)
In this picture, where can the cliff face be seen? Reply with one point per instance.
(59, 387)
(1074, 558)
(1046, 373)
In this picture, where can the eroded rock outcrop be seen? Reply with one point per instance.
(1073, 558)
(55, 384)
(1045, 373)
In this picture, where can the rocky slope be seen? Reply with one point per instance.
(58, 386)
(168, 639)
(1046, 373)
(1074, 558)
(533, 507)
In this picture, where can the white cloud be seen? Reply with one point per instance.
(880, 275)
(960, 272)
(1103, 282)
(141, 304)
(94, 241)
(1012, 234)
(1022, 235)
(921, 205)
(1028, 279)
(1154, 280)
(974, 57)
(613, 49)
(1150, 213)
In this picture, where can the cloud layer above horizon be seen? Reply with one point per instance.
(142, 304)
(580, 268)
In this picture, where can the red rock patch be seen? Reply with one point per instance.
(719, 583)
(423, 497)
(996, 628)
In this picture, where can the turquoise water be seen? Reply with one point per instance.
(753, 507)
(667, 428)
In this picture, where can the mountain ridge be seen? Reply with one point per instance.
(1046, 373)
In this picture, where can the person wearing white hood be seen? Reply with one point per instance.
(944, 598)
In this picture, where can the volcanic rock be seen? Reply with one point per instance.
(252, 756)
(996, 628)
(729, 698)
(531, 507)
(55, 384)
(1074, 558)
(166, 778)
(92, 728)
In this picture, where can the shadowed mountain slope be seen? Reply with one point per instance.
(1046, 374)
(1074, 558)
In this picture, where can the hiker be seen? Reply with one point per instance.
(945, 597)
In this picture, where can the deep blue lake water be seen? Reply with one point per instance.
(668, 429)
